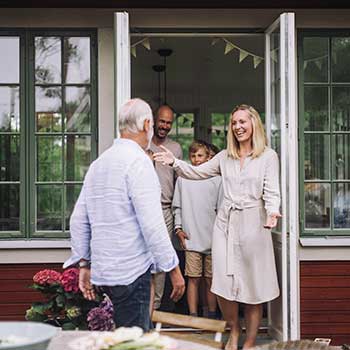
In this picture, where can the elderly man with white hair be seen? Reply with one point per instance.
(118, 233)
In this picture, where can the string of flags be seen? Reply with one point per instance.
(144, 42)
(318, 61)
(243, 54)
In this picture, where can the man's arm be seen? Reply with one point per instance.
(80, 231)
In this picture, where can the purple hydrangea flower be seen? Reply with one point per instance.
(100, 319)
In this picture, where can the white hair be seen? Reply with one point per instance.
(132, 115)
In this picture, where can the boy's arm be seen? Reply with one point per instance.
(177, 205)
(177, 211)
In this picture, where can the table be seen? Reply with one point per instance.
(61, 340)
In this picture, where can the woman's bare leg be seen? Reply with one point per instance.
(252, 315)
(229, 310)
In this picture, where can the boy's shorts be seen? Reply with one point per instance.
(194, 264)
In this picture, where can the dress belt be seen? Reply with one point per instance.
(233, 210)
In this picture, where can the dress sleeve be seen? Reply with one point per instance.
(271, 189)
(177, 205)
(203, 171)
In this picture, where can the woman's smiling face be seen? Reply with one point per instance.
(242, 126)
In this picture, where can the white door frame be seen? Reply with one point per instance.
(289, 146)
(289, 167)
(122, 68)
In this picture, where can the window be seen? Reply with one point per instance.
(325, 133)
(183, 131)
(219, 125)
(47, 128)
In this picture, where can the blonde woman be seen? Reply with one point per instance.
(243, 258)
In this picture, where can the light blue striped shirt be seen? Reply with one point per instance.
(117, 222)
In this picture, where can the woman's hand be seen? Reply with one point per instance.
(165, 157)
(271, 220)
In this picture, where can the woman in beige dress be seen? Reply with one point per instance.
(243, 260)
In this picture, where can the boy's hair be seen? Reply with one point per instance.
(214, 149)
(197, 144)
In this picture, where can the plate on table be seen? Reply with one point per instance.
(24, 335)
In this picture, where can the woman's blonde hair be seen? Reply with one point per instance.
(259, 140)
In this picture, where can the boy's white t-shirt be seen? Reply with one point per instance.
(195, 205)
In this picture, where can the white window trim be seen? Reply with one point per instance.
(325, 241)
(34, 244)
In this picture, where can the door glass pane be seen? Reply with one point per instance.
(77, 156)
(275, 91)
(9, 60)
(47, 60)
(341, 203)
(316, 108)
(9, 109)
(77, 109)
(341, 162)
(316, 160)
(315, 60)
(340, 59)
(317, 205)
(48, 106)
(183, 131)
(9, 158)
(76, 60)
(72, 194)
(9, 208)
(49, 208)
(341, 108)
(219, 124)
(49, 158)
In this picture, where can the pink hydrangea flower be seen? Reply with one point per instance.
(47, 277)
(70, 280)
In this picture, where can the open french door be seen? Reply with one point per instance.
(122, 68)
(281, 127)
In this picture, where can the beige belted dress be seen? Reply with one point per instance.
(243, 259)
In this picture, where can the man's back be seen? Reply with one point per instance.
(124, 215)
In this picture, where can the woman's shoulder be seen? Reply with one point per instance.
(269, 152)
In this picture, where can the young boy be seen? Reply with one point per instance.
(195, 205)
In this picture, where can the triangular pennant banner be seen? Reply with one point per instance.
(257, 60)
(319, 64)
(217, 132)
(305, 64)
(133, 51)
(192, 124)
(242, 55)
(185, 120)
(229, 47)
(274, 55)
(225, 132)
(146, 44)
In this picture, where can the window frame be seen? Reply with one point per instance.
(318, 232)
(28, 202)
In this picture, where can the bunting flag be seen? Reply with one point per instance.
(305, 64)
(147, 44)
(133, 51)
(217, 132)
(229, 47)
(242, 55)
(192, 124)
(225, 132)
(274, 55)
(257, 60)
(319, 64)
(144, 42)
